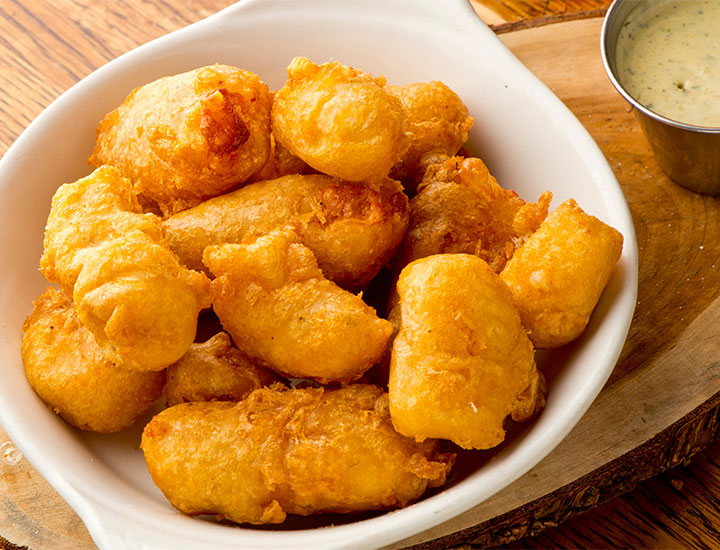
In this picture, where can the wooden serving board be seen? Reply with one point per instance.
(662, 402)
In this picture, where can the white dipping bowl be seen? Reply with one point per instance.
(527, 137)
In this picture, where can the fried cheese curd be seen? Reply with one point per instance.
(281, 162)
(352, 228)
(185, 138)
(339, 120)
(272, 298)
(128, 288)
(558, 275)
(68, 370)
(437, 122)
(214, 370)
(290, 451)
(461, 362)
(461, 208)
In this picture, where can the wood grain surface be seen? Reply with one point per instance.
(526, 10)
(661, 404)
(513, 15)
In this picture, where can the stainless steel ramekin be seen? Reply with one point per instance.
(688, 154)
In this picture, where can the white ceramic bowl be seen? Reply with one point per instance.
(530, 141)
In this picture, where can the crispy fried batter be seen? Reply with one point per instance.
(68, 370)
(294, 200)
(339, 120)
(214, 370)
(281, 162)
(298, 451)
(558, 275)
(437, 123)
(139, 302)
(129, 289)
(461, 208)
(83, 214)
(185, 138)
(352, 228)
(461, 361)
(272, 298)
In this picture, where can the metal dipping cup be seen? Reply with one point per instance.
(688, 154)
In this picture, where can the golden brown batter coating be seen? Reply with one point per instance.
(461, 361)
(68, 370)
(281, 162)
(185, 138)
(298, 451)
(437, 124)
(461, 208)
(558, 275)
(139, 302)
(339, 120)
(85, 213)
(214, 370)
(129, 289)
(272, 298)
(352, 228)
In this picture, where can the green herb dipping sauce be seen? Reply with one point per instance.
(668, 59)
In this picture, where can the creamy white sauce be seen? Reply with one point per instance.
(668, 58)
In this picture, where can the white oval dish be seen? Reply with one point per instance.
(528, 138)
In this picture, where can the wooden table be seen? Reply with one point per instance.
(661, 405)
